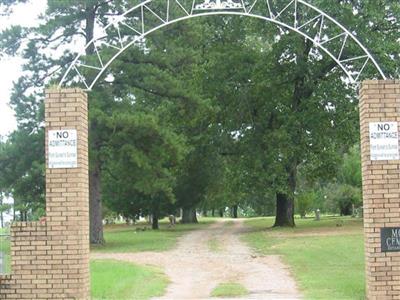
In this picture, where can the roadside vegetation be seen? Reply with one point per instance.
(326, 257)
(121, 280)
(230, 289)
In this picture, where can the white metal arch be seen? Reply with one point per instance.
(131, 27)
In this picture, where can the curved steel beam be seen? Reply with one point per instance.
(193, 13)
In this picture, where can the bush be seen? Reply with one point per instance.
(305, 202)
(342, 197)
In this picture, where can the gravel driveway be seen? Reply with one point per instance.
(195, 269)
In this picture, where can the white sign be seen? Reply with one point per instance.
(384, 140)
(63, 150)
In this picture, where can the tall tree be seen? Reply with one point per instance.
(62, 23)
(239, 87)
(142, 155)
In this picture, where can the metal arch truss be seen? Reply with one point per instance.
(135, 24)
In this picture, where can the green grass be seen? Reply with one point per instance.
(4, 230)
(5, 249)
(214, 245)
(123, 238)
(326, 267)
(121, 281)
(230, 289)
(304, 225)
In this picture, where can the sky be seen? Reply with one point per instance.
(10, 67)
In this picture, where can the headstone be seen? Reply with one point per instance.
(317, 215)
(360, 212)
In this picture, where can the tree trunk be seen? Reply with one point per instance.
(284, 211)
(235, 211)
(221, 213)
(154, 223)
(1, 213)
(204, 212)
(345, 210)
(95, 209)
(23, 216)
(90, 12)
(189, 215)
(285, 201)
(213, 212)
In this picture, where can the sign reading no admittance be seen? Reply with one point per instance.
(384, 140)
(63, 150)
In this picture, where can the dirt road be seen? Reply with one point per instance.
(204, 258)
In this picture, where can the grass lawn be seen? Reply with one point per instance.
(129, 238)
(4, 230)
(121, 281)
(230, 289)
(326, 257)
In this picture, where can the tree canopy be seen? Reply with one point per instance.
(205, 114)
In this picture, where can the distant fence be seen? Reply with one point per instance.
(5, 260)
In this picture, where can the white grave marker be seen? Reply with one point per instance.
(63, 150)
(384, 140)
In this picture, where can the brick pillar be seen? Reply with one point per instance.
(67, 198)
(380, 102)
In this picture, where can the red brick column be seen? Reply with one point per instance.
(380, 102)
(67, 198)
(50, 259)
